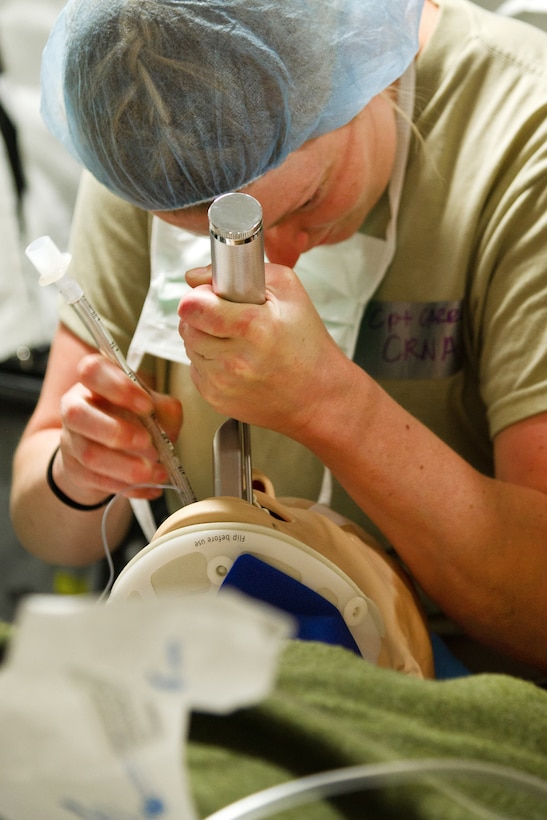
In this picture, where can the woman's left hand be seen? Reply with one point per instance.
(270, 365)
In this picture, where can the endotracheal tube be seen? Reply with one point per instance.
(52, 266)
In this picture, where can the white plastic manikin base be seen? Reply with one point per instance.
(197, 558)
(194, 549)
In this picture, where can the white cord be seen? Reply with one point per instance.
(371, 776)
(106, 546)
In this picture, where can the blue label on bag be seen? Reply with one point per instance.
(411, 340)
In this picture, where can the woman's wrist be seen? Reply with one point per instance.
(64, 498)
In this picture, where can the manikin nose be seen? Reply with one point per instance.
(284, 246)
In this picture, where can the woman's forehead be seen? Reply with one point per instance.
(279, 191)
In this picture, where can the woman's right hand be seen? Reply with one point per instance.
(91, 411)
(104, 445)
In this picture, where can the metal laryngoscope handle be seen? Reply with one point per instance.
(237, 252)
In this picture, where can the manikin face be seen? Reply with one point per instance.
(323, 191)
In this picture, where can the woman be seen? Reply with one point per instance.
(428, 405)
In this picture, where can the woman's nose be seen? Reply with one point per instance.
(284, 244)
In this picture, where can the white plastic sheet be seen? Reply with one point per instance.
(95, 699)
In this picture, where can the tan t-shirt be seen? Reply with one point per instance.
(457, 332)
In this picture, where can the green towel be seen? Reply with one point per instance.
(331, 709)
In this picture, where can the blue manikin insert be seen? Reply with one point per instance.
(317, 619)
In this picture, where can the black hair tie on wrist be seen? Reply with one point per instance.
(75, 505)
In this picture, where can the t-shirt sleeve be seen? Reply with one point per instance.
(513, 359)
(110, 247)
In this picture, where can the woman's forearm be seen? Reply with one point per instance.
(47, 527)
(476, 545)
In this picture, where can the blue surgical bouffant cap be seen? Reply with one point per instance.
(172, 102)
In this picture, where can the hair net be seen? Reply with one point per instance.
(173, 102)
